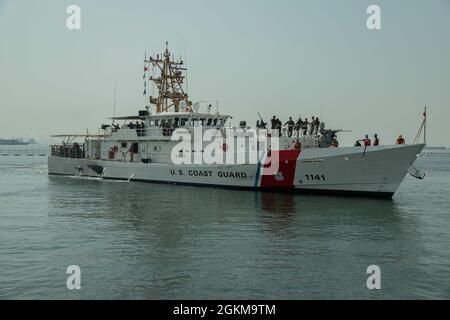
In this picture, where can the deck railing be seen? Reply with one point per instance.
(74, 151)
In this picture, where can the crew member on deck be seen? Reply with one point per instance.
(297, 145)
(305, 126)
(273, 123)
(367, 142)
(290, 125)
(130, 150)
(316, 126)
(376, 141)
(299, 125)
(311, 127)
(334, 143)
(279, 125)
(400, 140)
(76, 150)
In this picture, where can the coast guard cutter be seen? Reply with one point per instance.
(148, 147)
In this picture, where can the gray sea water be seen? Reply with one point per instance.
(145, 241)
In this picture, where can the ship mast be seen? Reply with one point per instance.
(169, 82)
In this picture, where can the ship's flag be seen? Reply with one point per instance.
(425, 113)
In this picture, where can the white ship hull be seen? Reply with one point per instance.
(377, 171)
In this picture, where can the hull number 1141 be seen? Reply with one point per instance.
(317, 177)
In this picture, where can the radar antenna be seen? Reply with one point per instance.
(169, 81)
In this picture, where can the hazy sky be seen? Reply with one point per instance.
(285, 57)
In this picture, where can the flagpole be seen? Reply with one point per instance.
(425, 127)
(145, 77)
(114, 96)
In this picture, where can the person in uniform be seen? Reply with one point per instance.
(290, 125)
(376, 141)
(311, 126)
(305, 126)
(131, 152)
(400, 140)
(316, 125)
(273, 123)
(367, 142)
(299, 125)
(334, 143)
(123, 151)
(279, 125)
